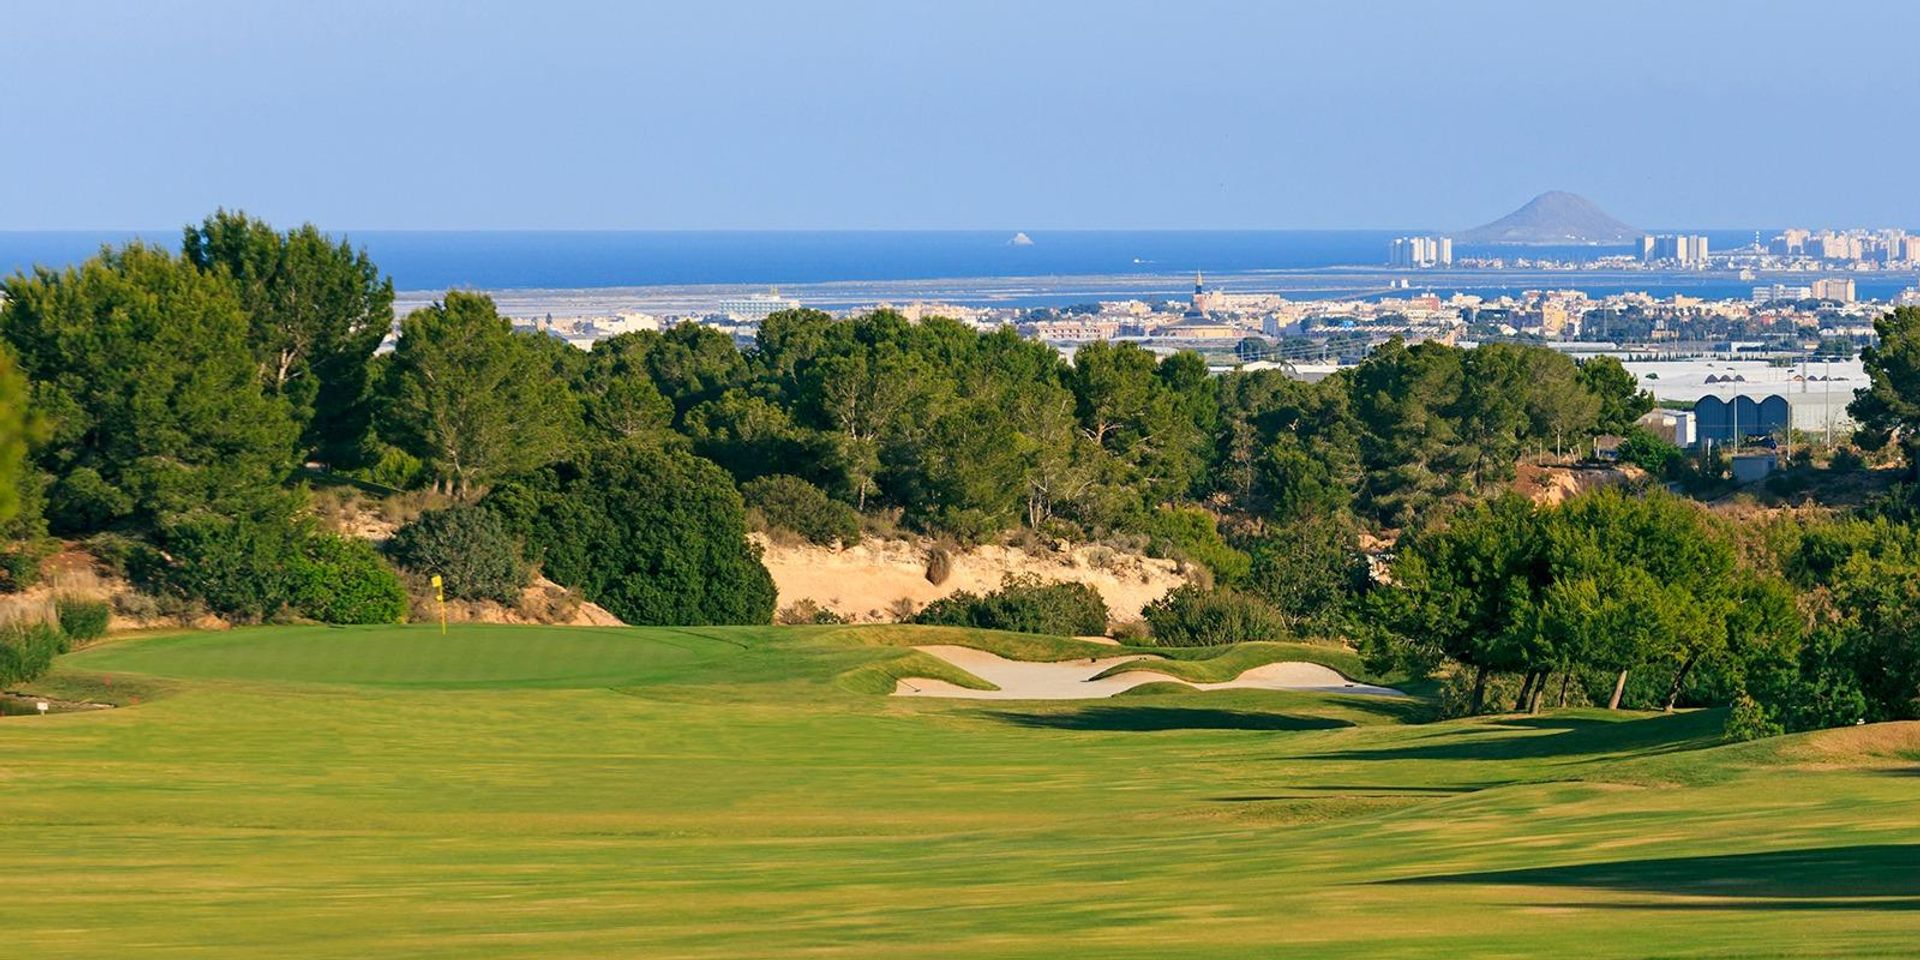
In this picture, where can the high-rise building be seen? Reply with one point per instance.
(1781, 291)
(1834, 288)
(1834, 246)
(1420, 251)
(1690, 250)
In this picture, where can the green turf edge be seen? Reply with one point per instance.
(880, 678)
(1221, 664)
(64, 682)
(1013, 646)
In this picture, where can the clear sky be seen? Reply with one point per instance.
(955, 113)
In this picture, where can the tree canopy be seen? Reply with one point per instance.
(13, 436)
(1889, 408)
(317, 309)
(471, 397)
(139, 363)
(651, 532)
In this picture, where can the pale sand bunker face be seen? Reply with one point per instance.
(1074, 679)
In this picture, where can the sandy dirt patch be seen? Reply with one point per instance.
(1074, 679)
(863, 582)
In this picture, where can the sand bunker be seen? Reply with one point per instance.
(1074, 679)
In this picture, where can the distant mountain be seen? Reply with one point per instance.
(1552, 217)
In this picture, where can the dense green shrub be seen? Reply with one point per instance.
(1647, 450)
(471, 549)
(1190, 616)
(82, 619)
(1748, 720)
(250, 570)
(337, 579)
(655, 535)
(1024, 604)
(20, 563)
(791, 503)
(1189, 533)
(27, 650)
(1309, 570)
(237, 567)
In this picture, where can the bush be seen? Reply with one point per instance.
(340, 580)
(806, 611)
(791, 503)
(20, 564)
(27, 650)
(1191, 616)
(1025, 605)
(1189, 533)
(1748, 720)
(250, 570)
(654, 534)
(237, 567)
(82, 619)
(939, 565)
(471, 549)
(1456, 693)
(1310, 570)
(1847, 459)
(1647, 450)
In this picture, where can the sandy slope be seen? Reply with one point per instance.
(1073, 679)
(861, 582)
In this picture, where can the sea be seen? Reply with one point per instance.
(1305, 262)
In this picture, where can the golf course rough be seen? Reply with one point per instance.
(730, 792)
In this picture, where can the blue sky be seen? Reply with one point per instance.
(957, 114)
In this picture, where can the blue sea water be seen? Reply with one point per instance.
(425, 260)
(502, 260)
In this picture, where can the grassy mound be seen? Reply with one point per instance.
(1220, 664)
(881, 677)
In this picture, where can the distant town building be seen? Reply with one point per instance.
(1835, 288)
(1198, 323)
(1686, 249)
(1674, 426)
(1781, 291)
(755, 307)
(1420, 252)
(1790, 243)
(1721, 418)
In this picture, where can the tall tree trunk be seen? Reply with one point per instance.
(1533, 703)
(1526, 689)
(1565, 675)
(1479, 688)
(1619, 687)
(1679, 679)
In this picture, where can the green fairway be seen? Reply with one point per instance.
(746, 792)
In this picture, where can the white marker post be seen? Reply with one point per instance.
(43, 707)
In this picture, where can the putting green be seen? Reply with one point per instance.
(535, 792)
(473, 655)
